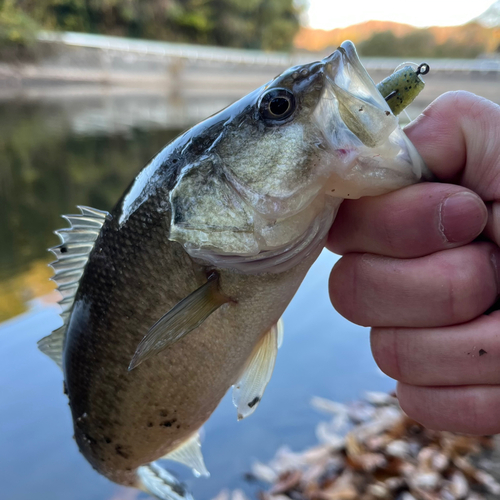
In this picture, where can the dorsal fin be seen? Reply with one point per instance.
(72, 255)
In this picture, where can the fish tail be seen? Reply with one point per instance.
(158, 482)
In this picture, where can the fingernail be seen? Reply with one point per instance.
(462, 217)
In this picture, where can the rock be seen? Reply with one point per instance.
(383, 454)
(380, 399)
(426, 481)
(263, 473)
(488, 481)
(286, 482)
(459, 486)
(378, 490)
(398, 448)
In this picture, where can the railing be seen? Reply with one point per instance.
(195, 53)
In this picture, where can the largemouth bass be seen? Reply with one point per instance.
(176, 294)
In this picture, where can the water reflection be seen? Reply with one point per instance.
(53, 157)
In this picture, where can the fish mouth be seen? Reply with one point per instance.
(360, 105)
(372, 154)
(352, 146)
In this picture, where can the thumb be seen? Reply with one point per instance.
(458, 136)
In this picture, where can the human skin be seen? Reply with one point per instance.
(421, 267)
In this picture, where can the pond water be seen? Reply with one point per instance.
(60, 152)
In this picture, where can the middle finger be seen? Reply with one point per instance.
(445, 288)
(411, 222)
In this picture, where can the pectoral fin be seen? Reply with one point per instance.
(187, 315)
(249, 389)
(190, 454)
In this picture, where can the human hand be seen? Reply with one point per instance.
(411, 270)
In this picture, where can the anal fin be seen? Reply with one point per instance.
(189, 453)
(249, 389)
(160, 483)
(183, 318)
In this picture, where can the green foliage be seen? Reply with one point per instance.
(417, 43)
(45, 171)
(454, 49)
(420, 43)
(266, 24)
(17, 29)
(380, 44)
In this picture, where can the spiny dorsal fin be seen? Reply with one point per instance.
(183, 318)
(72, 255)
(249, 389)
(189, 453)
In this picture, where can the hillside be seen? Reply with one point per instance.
(449, 41)
(318, 40)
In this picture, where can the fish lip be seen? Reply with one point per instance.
(360, 130)
(348, 50)
(351, 109)
(346, 56)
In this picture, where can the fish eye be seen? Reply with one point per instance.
(277, 105)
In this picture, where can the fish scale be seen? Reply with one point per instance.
(105, 331)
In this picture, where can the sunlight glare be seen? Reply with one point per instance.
(330, 14)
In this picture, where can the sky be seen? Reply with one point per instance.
(330, 14)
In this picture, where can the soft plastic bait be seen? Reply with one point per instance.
(402, 87)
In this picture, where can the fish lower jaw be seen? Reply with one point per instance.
(277, 260)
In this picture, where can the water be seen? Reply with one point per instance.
(64, 151)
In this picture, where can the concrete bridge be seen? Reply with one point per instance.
(241, 57)
(79, 58)
(113, 84)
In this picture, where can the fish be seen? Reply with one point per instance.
(177, 293)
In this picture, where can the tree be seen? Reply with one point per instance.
(422, 43)
(17, 29)
(418, 43)
(259, 24)
(380, 44)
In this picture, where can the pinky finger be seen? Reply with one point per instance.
(465, 409)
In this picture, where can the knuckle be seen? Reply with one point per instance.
(467, 281)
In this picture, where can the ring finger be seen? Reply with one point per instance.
(445, 288)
